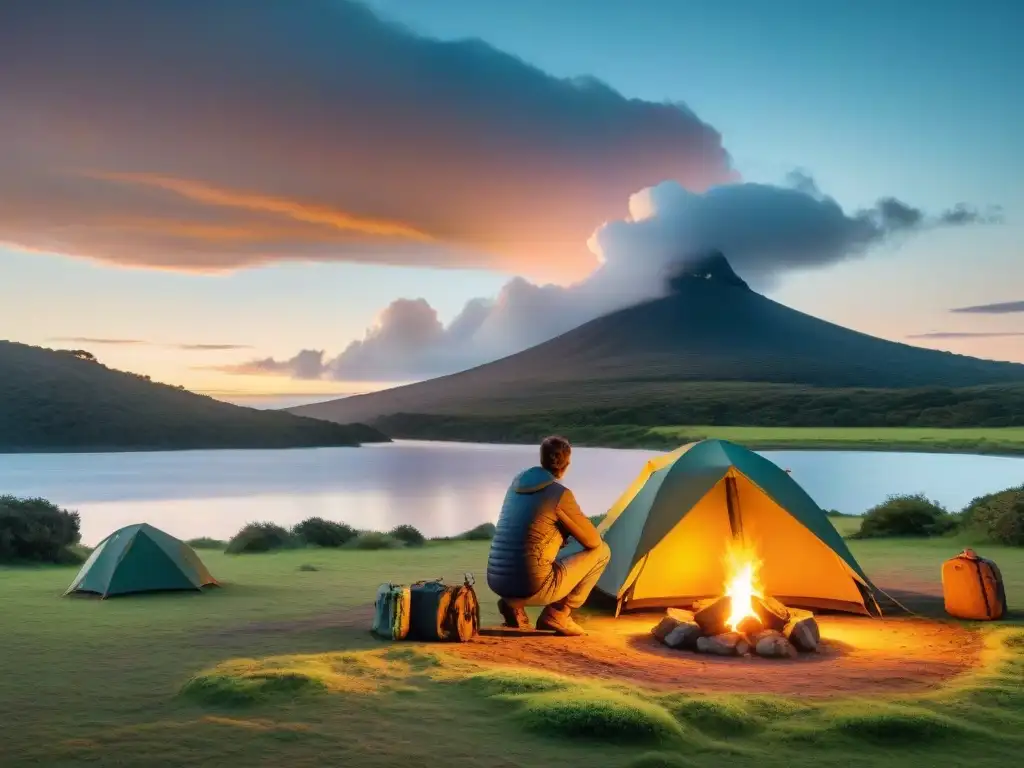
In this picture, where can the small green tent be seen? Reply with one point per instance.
(670, 531)
(140, 558)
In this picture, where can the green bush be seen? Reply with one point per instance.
(36, 530)
(374, 540)
(408, 535)
(483, 532)
(997, 516)
(205, 542)
(324, 533)
(259, 537)
(910, 515)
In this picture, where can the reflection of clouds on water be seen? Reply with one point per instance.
(442, 489)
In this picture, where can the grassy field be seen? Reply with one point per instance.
(1009, 440)
(586, 431)
(106, 683)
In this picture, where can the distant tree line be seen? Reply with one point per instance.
(979, 407)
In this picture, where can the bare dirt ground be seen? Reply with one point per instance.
(858, 656)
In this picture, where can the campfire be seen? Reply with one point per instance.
(743, 620)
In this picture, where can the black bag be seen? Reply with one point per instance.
(440, 612)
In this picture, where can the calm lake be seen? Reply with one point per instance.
(441, 488)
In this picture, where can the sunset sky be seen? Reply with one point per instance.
(283, 201)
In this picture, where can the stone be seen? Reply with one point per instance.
(803, 632)
(772, 644)
(684, 636)
(662, 629)
(725, 644)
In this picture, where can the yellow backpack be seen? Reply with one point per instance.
(972, 587)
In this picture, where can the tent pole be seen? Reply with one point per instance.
(732, 501)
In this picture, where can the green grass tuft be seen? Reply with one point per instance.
(598, 715)
(896, 726)
(716, 716)
(514, 683)
(222, 690)
(1014, 641)
(660, 760)
(772, 708)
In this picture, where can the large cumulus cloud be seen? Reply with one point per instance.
(216, 134)
(763, 230)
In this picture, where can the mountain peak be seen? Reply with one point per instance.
(712, 266)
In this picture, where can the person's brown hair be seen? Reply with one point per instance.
(554, 454)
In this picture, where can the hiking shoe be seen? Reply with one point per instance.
(559, 623)
(515, 618)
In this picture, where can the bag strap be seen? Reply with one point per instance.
(423, 582)
(984, 592)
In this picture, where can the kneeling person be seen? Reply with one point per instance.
(538, 517)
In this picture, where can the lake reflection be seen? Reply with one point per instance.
(441, 488)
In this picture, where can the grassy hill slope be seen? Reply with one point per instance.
(54, 401)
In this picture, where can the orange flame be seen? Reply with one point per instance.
(741, 585)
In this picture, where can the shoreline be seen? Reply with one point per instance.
(661, 442)
(1007, 452)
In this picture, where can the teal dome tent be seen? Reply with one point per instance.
(140, 558)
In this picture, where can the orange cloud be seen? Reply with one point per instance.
(252, 201)
(313, 131)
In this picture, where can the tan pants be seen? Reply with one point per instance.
(571, 580)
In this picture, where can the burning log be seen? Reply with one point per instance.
(685, 635)
(714, 617)
(802, 630)
(772, 644)
(679, 614)
(772, 613)
(749, 626)
(700, 605)
(725, 644)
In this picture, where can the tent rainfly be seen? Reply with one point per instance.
(669, 533)
(140, 558)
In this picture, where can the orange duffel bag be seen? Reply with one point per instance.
(973, 587)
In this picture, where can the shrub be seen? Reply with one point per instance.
(205, 542)
(911, 515)
(36, 529)
(483, 532)
(408, 535)
(323, 533)
(598, 715)
(259, 537)
(374, 540)
(998, 516)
